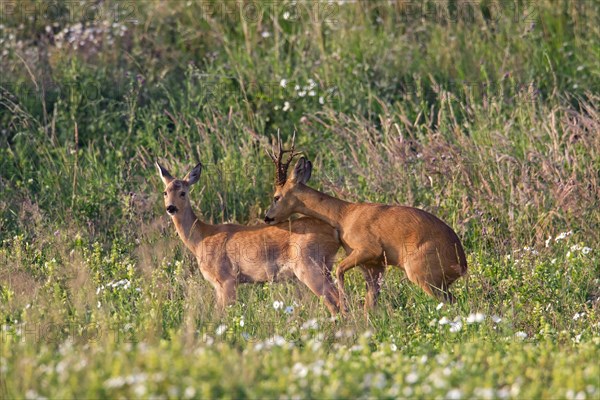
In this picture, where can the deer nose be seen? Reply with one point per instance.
(268, 219)
(171, 209)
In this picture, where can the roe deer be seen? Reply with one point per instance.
(374, 235)
(230, 254)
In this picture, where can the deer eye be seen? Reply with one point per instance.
(276, 199)
(164, 193)
(182, 194)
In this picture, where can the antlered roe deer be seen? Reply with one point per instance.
(230, 254)
(374, 235)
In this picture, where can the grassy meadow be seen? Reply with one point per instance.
(485, 113)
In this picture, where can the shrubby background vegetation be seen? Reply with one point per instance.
(483, 113)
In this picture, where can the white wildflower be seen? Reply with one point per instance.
(173, 392)
(439, 306)
(115, 382)
(286, 106)
(455, 326)
(444, 321)
(521, 335)
(283, 83)
(591, 389)
(278, 340)
(411, 378)
(209, 340)
(497, 319)
(221, 329)
(586, 250)
(310, 324)
(379, 380)
(277, 304)
(454, 394)
(315, 345)
(139, 390)
(563, 235)
(62, 366)
(476, 318)
(484, 393)
(300, 370)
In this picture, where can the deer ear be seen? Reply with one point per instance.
(164, 174)
(194, 175)
(302, 171)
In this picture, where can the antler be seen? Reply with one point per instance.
(280, 166)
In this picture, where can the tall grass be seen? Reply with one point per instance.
(484, 114)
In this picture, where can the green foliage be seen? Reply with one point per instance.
(485, 114)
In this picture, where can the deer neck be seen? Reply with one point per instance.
(321, 206)
(189, 228)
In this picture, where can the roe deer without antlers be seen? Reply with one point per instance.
(374, 235)
(230, 254)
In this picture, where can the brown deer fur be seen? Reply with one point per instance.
(377, 235)
(230, 254)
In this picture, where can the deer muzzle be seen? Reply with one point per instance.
(171, 210)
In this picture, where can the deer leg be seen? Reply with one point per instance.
(448, 297)
(225, 291)
(228, 292)
(356, 257)
(320, 285)
(433, 281)
(442, 293)
(374, 279)
(219, 298)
